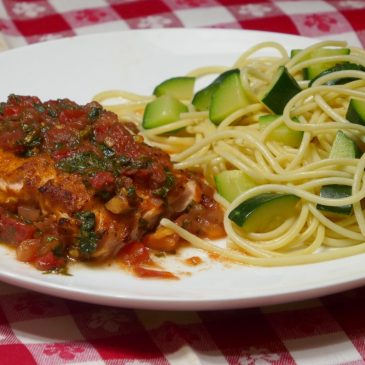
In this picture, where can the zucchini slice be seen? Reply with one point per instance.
(344, 147)
(282, 133)
(202, 98)
(336, 192)
(232, 183)
(294, 52)
(227, 98)
(282, 88)
(316, 69)
(181, 87)
(264, 212)
(356, 111)
(340, 67)
(163, 110)
(311, 72)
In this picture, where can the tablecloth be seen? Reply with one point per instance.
(39, 329)
(24, 22)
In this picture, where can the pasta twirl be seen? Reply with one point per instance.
(238, 142)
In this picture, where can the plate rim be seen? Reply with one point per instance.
(171, 303)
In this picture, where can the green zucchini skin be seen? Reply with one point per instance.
(356, 111)
(336, 192)
(180, 87)
(227, 98)
(281, 133)
(232, 183)
(314, 70)
(311, 72)
(344, 147)
(281, 90)
(337, 68)
(202, 98)
(264, 210)
(294, 52)
(163, 110)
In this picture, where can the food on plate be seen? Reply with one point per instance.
(280, 135)
(77, 184)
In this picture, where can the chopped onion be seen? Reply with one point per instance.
(117, 204)
(29, 213)
(27, 250)
(163, 239)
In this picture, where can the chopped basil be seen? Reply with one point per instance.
(58, 251)
(83, 163)
(94, 113)
(169, 183)
(131, 192)
(87, 220)
(52, 113)
(123, 161)
(31, 140)
(40, 108)
(88, 243)
(88, 239)
(29, 153)
(88, 163)
(107, 151)
(142, 163)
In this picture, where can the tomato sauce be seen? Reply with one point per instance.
(92, 189)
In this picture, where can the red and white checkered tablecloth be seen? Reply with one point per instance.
(23, 22)
(38, 329)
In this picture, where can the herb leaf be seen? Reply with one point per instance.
(88, 239)
(169, 183)
(87, 220)
(94, 113)
(88, 243)
(82, 163)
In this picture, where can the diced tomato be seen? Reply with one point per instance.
(135, 253)
(114, 135)
(12, 110)
(24, 101)
(14, 231)
(68, 115)
(49, 262)
(102, 181)
(62, 136)
(62, 153)
(9, 140)
(148, 273)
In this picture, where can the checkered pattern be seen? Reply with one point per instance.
(37, 329)
(23, 22)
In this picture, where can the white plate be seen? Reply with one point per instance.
(80, 67)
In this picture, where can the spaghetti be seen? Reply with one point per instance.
(318, 110)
